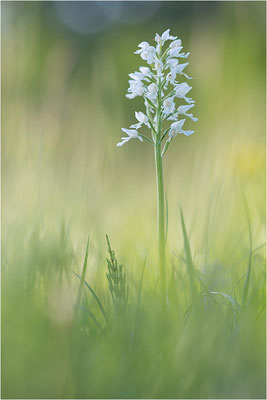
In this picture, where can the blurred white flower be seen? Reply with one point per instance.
(158, 66)
(136, 89)
(145, 71)
(175, 43)
(164, 37)
(143, 47)
(176, 127)
(132, 134)
(149, 55)
(137, 76)
(168, 105)
(152, 92)
(172, 62)
(146, 52)
(175, 51)
(175, 70)
(183, 110)
(142, 120)
(152, 88)
(181, 90)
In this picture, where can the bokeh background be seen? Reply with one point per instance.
(65, 69)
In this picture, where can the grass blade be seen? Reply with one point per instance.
(189, 264)
(91, 315)
(78, 300)
(140, 286)
(95, 297)
(247, 280)
(234, 305)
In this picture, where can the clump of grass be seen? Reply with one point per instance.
(126, 348)
(117, 285)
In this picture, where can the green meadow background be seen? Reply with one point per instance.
(65, 69)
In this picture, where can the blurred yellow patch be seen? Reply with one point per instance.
(250, 160)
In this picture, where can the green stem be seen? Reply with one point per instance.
(161, 221)
(160, 195)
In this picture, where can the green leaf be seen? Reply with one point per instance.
(152, 127)
(146, 138)
(95, 297)
(167, 96)
(165, 148)
(150, 103)
(91, 315)
(78, 300)
(164, 134)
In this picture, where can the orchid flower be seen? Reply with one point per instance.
(132, 133)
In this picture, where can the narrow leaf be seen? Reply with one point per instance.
(247, 280)
(91, 315)
(146, 138)
(150, 103)
(189, 263)
(95, 297)
(78, 300)
(165, 148)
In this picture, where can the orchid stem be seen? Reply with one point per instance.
(161, 222)
(161, 204)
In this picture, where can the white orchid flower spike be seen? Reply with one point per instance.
(161, 87)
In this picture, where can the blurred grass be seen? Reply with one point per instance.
(63, 105)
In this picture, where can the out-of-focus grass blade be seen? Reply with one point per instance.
(78, 300)
(95, 297)
(197, 273)
(91, 315)
(258, 248)
(140, 289)
(234, 305)
(189, 264)
(226, 300)
(180, 256)
(167, 217)
(247, 280)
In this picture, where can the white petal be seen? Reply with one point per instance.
(145, 71)
(187, 133)
(144, 45)
(188, 77)
(176, 43)
(181, 67)
(165, 35)
(175, 51)
(183, 109)
(130, 132)
(184, 55)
